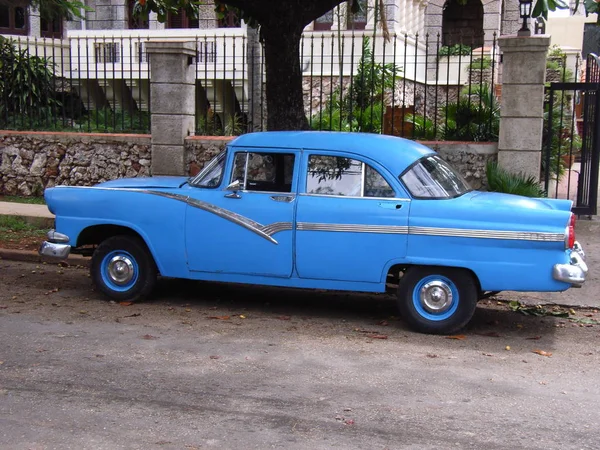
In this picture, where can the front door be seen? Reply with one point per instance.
(248, 229)
(351, 223)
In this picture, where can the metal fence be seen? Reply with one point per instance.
(409, 86)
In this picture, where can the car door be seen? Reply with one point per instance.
(352, 218)
(246, 228)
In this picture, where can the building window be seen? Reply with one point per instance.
(13, 18)
(181, 20)
(108, 52)
(358, 21)
(52, 27)
(231, 20)
(324, 22)
(136, 22)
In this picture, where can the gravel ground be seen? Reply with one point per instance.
(206, 365)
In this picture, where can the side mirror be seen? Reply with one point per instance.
(234, 186)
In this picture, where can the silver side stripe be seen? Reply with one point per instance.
(488, 234)
(385, 229)
(267, 231)
(264, 231)
(431, 231)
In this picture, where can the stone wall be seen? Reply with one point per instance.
(31, 162)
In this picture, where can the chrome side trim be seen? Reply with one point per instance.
(430, 231)
(488, 234)
(389, 199)
(264, 231)
(351, 228)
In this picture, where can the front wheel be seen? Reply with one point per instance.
(123, 268)
(438, 300)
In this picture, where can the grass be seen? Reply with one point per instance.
(17, 199)
(15, 232)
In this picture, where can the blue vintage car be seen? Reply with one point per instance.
(344, 211)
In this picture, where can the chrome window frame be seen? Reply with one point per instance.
(362, 176)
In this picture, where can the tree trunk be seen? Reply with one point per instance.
(285, 103)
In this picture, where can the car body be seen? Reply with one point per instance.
(327, 210)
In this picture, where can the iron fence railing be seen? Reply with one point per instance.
(410, 86)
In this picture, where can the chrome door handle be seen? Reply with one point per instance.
(233, 195)
(282, 198)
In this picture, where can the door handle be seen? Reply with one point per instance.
(233, 195)
(390, 205)
(282, 198)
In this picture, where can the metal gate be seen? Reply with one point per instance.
(571, 143)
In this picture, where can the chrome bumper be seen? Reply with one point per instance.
(575, 271)
(56, 247)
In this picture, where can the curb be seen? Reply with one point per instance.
(34, 257)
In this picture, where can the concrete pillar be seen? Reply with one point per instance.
(172, 103)
(522, 103)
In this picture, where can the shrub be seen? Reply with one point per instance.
(455, 50)
(499, 180)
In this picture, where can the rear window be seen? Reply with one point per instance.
(433, 178)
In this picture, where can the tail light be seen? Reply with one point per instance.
(570, 233)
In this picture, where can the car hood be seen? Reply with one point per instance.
(145, 183)
(515, 202)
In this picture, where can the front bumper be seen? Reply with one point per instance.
(56, 247)
(574, 272)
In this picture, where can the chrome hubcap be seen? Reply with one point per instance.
(120, 270)
(436, 297)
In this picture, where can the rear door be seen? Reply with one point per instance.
(352, 218)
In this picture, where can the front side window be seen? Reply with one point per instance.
(212, 174)
(336, 175)
(433, 178)
(265, 172)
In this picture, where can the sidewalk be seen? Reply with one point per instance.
(587, 231)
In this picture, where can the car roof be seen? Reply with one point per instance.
(392, 152)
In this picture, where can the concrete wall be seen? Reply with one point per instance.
(32, 161)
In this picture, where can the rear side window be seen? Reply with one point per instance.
(346, 177)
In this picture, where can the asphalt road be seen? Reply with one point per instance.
(204, 365)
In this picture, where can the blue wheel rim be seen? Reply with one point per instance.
(119, 271)
(435, 298)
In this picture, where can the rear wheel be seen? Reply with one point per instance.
(123, 268)
(439, 300)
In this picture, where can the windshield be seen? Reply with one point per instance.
(212, 174)
(432, 177)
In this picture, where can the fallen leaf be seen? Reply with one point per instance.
(542, 353)
(83, 312)
(125, 303)
(507, 348)
(459, 337)
(188, 310)
(378, 336)
(149, 337)
(349, 422)
(490, 334)
(219, 317)
(284, 317)
(487, 354)
(431, 355)
(242, 316)
(384, 323)
(133, 315)
(534, 338)
(214, 357)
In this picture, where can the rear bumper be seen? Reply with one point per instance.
(56, 247)
(574, 272)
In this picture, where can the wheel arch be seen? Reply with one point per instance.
(395, 269)
(96, 234)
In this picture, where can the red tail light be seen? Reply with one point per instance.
(570, 233)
